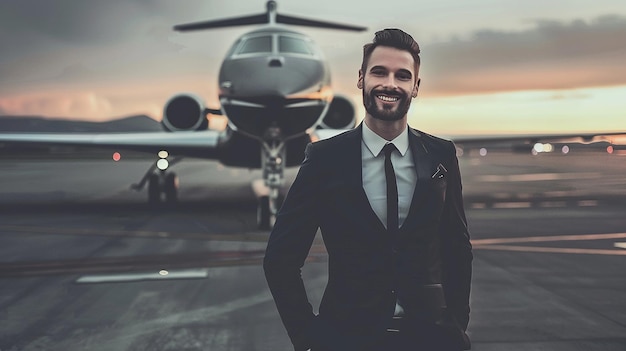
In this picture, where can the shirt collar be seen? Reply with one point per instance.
(375, 142)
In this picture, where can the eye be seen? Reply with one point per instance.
(404, 76)
(378, 72)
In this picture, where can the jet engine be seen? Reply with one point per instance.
(340, 114)
(184, 112)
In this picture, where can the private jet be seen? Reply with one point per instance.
(274, 89)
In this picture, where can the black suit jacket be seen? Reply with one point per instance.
(368, 269)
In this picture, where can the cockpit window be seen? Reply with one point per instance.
(294, 46)
(256, 45)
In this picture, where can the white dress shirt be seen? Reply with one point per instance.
(373, 174)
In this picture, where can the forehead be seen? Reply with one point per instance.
(391, 58)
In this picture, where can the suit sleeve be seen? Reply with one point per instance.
(456, 246)
(288, 246)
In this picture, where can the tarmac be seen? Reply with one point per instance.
(86, 264)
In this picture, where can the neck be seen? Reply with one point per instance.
(387, 130)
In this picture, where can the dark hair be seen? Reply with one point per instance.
(394, 38)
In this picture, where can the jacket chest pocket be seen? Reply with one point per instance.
(431, 198)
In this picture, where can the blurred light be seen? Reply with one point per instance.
(117, 156)
(163, 272)
(565, 149)
(534, 152)
(610, 149)
(163, 154)
(162, 164)
(539, 147)
(483, 151)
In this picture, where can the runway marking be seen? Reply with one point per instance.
(552, 250)
(497, 244)
(160, 275)
(538, 177)
(511, 201)
(530, 239)
(120, 265)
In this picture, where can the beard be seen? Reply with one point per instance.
(386, 113)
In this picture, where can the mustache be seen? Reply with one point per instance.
(388, 93)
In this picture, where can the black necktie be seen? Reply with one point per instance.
(392, 190)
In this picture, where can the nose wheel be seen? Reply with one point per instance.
(273, 155)
(267, 209)
(162, 184)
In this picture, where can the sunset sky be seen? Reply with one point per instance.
(488, 66)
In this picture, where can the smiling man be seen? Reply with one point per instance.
(387, 199)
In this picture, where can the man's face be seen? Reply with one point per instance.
(389, 83)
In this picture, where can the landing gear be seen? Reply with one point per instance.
(272, 156)
(154, 189)
(162, 185)
(170, 187)
(263, 214)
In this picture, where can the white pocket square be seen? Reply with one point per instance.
(440, 173)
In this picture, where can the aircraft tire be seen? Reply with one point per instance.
(154, 189)
(263, 213)
(170, 187)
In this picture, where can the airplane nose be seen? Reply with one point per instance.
(274, 75)
(276, 62)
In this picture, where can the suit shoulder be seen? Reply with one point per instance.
(331, 144)
(433, 142)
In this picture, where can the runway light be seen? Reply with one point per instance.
(539, 147)
(163, 272)
(163, 154)
(548, 148)
(610, 149)
(565, 149)
(117, 156)
(162, 164)
(482, 151)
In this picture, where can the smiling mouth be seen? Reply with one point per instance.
(386, 98)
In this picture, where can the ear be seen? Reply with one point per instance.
(416, 87)
(359, 83)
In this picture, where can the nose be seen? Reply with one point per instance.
(390, 82)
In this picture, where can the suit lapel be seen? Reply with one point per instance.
(354, 174)
(423, 164)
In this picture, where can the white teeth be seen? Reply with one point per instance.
(387, 98)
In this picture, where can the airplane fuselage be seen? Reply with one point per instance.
(274, 78)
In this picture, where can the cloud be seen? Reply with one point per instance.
(551, 55)
(75, 21)
(58, 104)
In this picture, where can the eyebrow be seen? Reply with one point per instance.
(402, 70)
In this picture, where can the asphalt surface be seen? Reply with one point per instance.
(86, 264)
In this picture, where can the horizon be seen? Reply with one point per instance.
(488, 69)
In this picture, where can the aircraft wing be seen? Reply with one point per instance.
(193, 143)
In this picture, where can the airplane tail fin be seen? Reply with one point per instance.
(298, 21)
(270, 17)
(229, 22)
